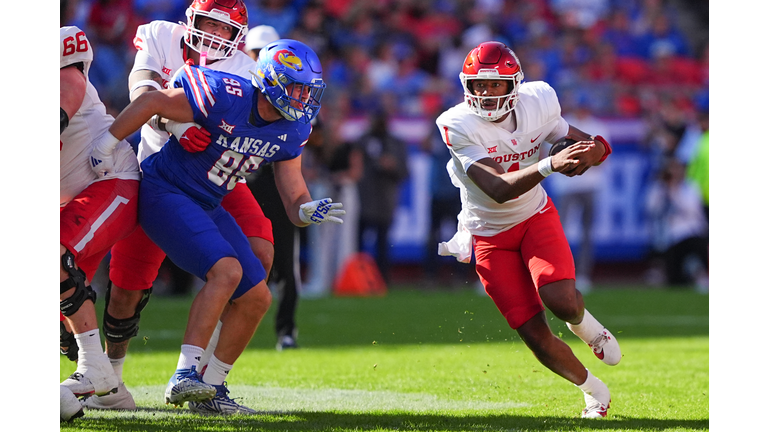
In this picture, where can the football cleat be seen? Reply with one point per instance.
(606, 348)
(286, 342)
(598, 400)
(186, 385)
(120, 400)
(221, 404)
(93, 376)
(69, 405)
(594, 408)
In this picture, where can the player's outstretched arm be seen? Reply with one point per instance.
(298, 203)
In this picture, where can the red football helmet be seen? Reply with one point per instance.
(232, 12)
(496, 61)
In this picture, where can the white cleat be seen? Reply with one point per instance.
(120, 400)
(94, 376)
(69, 405)
(597, 401)
(594, 408)
(606, 348)
(221, 404)
(186, 385)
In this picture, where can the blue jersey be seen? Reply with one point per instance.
(225, 105)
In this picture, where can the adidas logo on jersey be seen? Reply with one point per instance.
(283, 137)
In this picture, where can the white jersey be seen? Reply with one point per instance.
(89, 123)
(160, 48)
(470, 138)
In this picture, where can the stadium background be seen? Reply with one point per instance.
(641, 66)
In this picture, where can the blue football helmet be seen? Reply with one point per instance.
(289, 74)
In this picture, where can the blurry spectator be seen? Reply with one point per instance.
(285, 275)
(280, 14)
(680, 228)
(331, 246)
(576, 199)
(152, 10)
(385, 167)
(698, 165)
(580, 13)
(445, 204)
(313, 27)
(112, 24)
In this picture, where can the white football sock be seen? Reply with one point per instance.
(89, 341)
(587, 329)
(91, 352)
(211, 346)
(190, 356)
(217, 371)
(117, 366)
(596, 388)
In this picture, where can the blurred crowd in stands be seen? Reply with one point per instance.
(637, 59)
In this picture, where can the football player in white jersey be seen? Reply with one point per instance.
(214, 31)
(522, 256)
(95, 212)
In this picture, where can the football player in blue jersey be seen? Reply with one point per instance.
(244, 124)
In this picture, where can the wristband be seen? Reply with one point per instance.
(63, 120)
(143, 83)
(608, 149)
(106, 143)
(177, 129)
(545, 166)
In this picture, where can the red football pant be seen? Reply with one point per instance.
(514, 264)
(98, 217)
(136, 260)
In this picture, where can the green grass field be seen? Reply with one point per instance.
(431, 361)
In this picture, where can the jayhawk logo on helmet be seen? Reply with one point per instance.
(289, 59)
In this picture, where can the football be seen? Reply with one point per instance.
(561, 144)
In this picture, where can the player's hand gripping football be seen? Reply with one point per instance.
(101, 158)
(320, 211)
(572, 160)
(191, 137)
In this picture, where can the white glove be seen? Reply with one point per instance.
(321, 211)
(101, 159)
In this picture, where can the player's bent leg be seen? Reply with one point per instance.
(566, 303)
(221, 281)
(122, 313)
(240, 322)
(550, 350)
(600, 339)
(126, 305)
(264, 251)
(563, 300)
(93, 375)
(596, 396)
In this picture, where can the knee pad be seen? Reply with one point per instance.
(76, 280)
(118, 330)
(67, 343)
